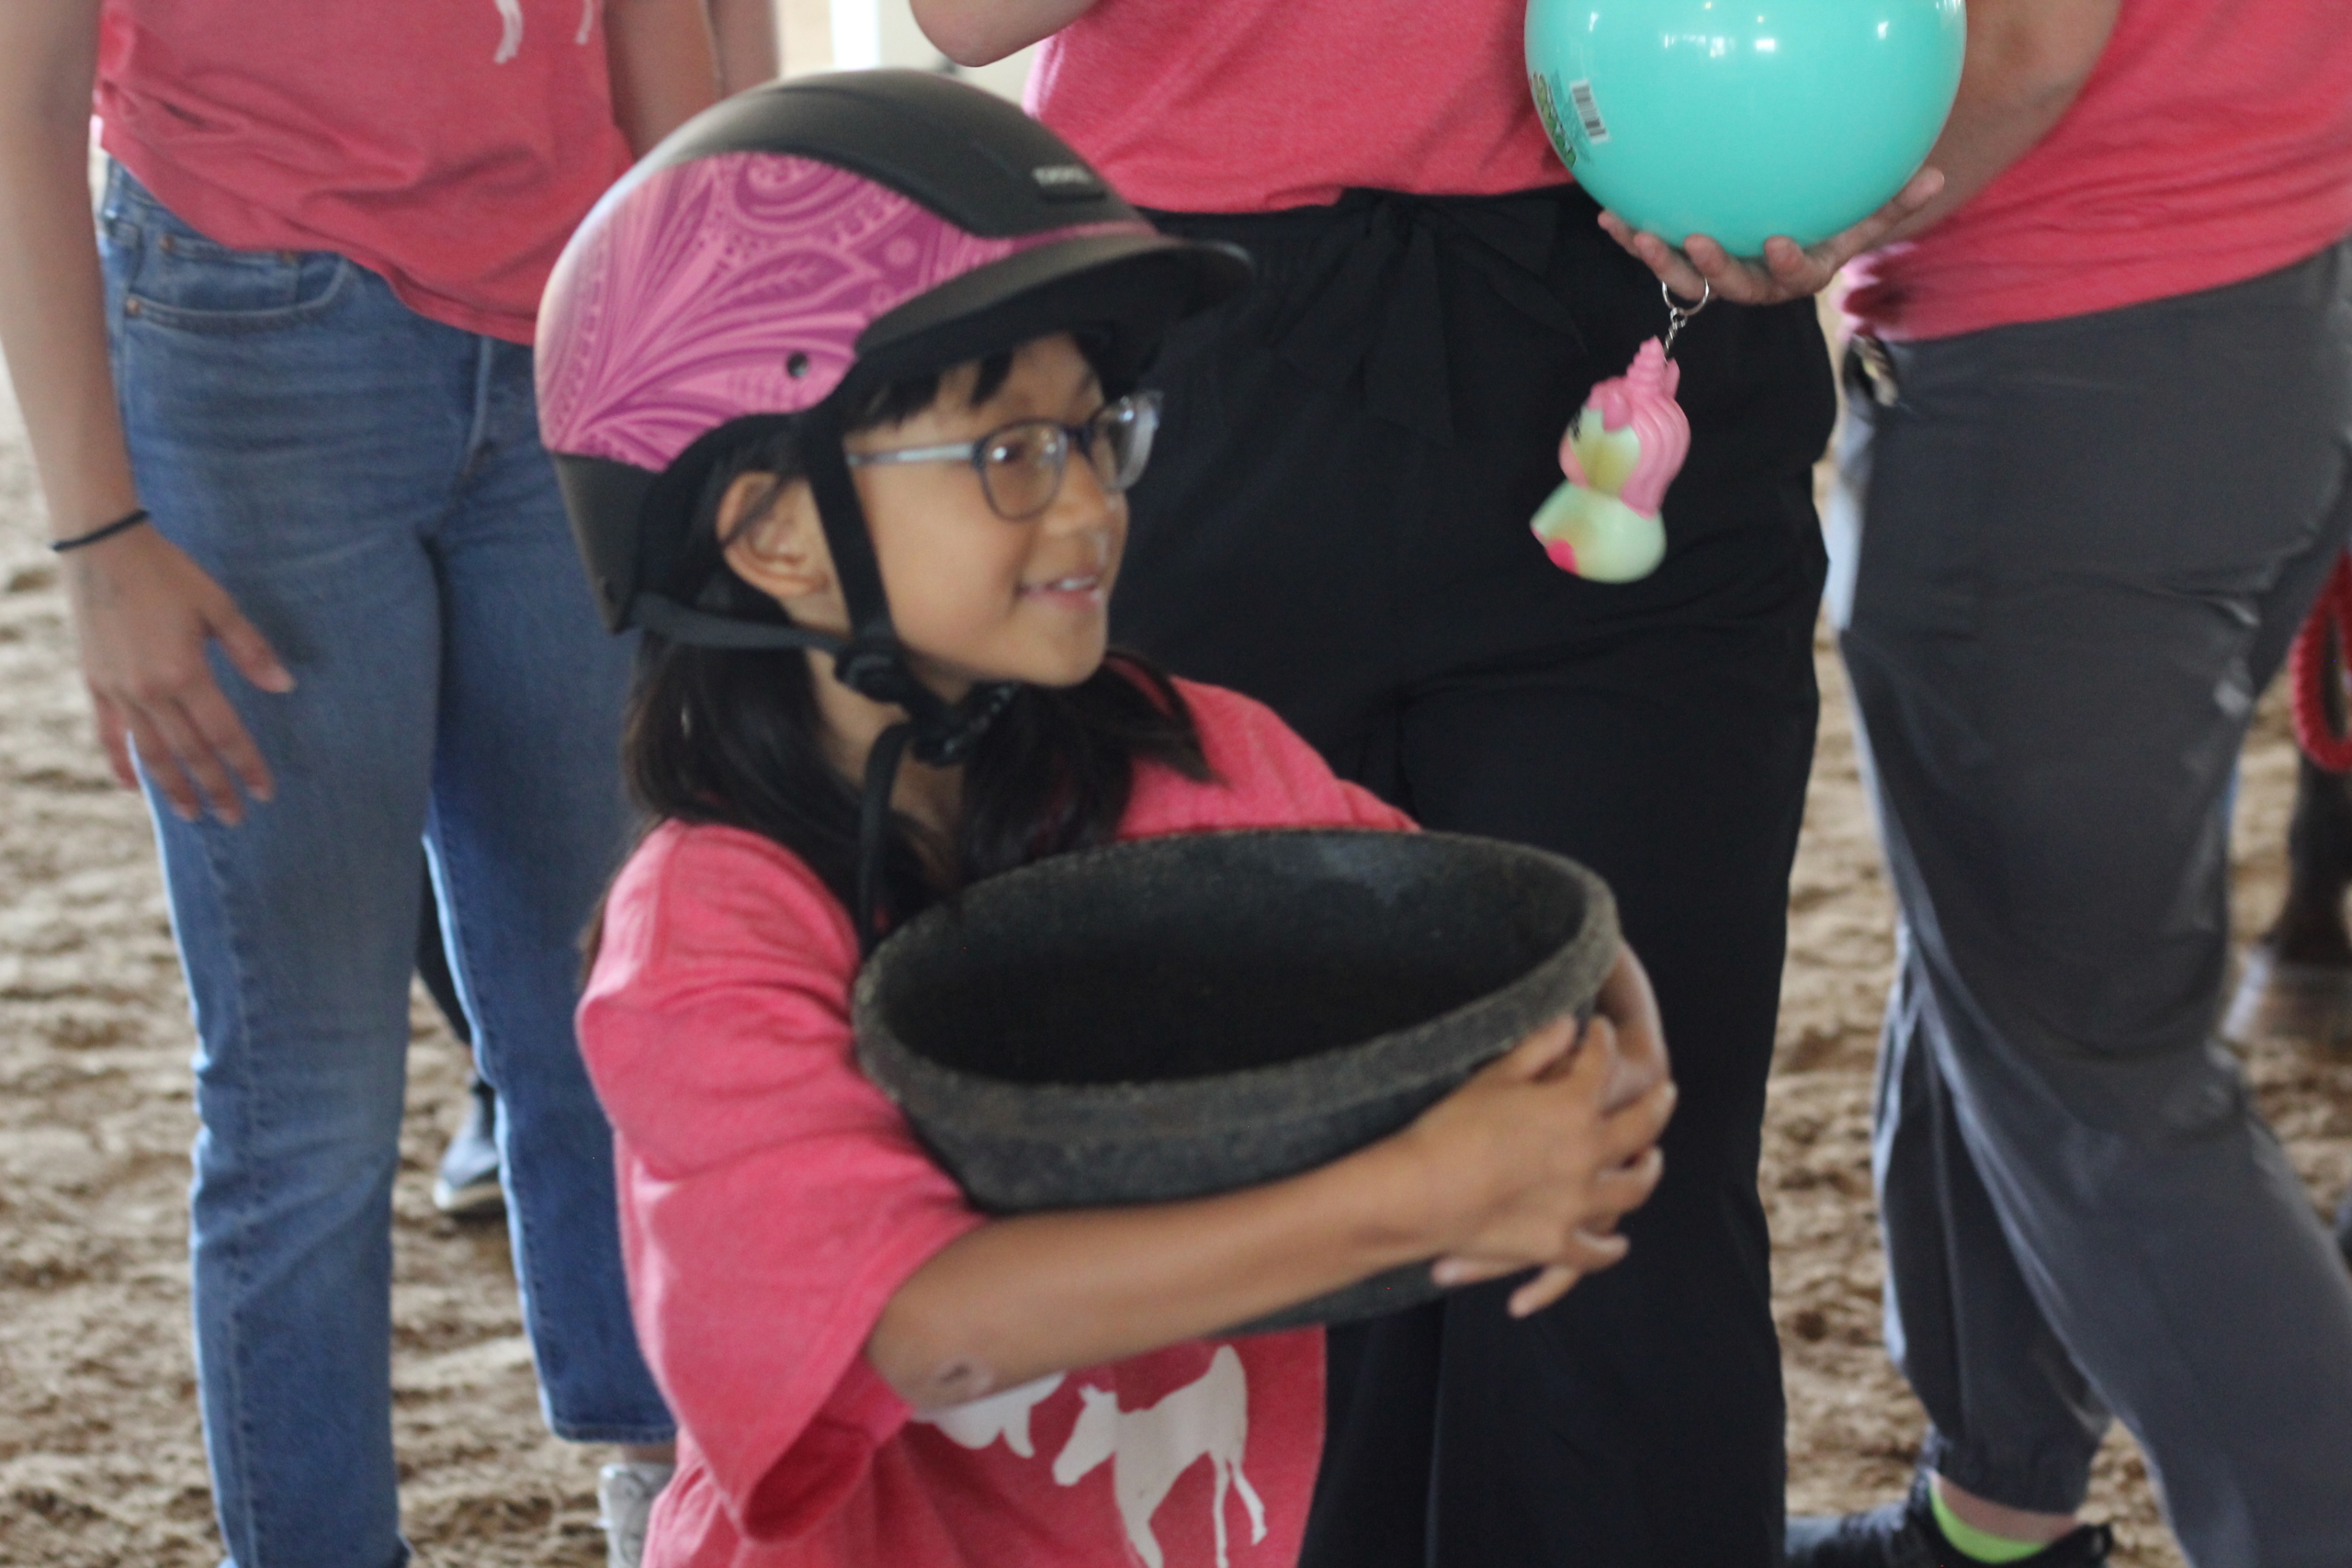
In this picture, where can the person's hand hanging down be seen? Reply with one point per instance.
(146, 615)
(1787, 270)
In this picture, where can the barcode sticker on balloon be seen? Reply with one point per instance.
(1595, 129)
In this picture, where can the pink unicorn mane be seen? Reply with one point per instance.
(1643, 398)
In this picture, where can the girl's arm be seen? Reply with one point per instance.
(144, 613)
(980, 32)
(1522, 1168)
(664, 66)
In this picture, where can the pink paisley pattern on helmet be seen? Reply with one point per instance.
(690, 299)
(1643, 398)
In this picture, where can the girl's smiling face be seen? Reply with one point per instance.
(979, 597)
(974, 596)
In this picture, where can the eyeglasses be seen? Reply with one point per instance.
(1021, 464)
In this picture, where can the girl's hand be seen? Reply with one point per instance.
(1629, 1004)
(1526, 1167)
(146, 613)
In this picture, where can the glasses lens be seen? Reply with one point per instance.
(1021, 468)
(1121, 443)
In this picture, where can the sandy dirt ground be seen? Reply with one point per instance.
(99, 1456)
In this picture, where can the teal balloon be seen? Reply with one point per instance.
(1740, 120)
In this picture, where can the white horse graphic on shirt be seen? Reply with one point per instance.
(1150, 1448)
(510, 27)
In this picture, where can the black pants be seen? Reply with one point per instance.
(1335, 522)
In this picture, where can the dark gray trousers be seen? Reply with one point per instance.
(2068, 556)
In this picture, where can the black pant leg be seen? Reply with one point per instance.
(1639, 1422)
(1662, 733)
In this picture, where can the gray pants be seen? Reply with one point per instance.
(2069, 556)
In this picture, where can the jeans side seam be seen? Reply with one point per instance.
(251, 1090)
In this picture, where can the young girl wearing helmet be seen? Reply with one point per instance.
(839, 381)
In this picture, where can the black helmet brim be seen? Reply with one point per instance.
(1123, 290)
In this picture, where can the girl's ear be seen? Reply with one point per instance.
(781, 550)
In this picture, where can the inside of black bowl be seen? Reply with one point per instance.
(1190, 956)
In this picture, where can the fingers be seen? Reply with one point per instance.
(183, 758)
(221, 741)
(248, 651)
(146, 613)
(1538, 1053)
(1623, 1189)
(114, 736)
(1464, 1269)
(1789, 271)
(1540, 1292)
(1627, 1132)
(162, 764)
(1745, 283)
(1628, 1002)
(1595, 1063)
(1671, 266)
(1811, 267)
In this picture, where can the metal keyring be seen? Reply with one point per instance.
(1677, 316)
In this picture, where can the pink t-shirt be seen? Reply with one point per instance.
(2211, 144)
(773, 1200)
(1251, 106)
(449, 145)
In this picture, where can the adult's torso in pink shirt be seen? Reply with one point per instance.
(449, 145)
(2211, 144)
(1251, 106)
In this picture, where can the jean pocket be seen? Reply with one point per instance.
(179, 279)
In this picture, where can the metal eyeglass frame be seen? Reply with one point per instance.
(1141, 408)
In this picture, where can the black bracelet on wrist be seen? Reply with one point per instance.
(120, 525)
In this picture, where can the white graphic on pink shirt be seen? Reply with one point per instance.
(1150, 1448)
(510, 27)
(1006, 1415)
(510, 32)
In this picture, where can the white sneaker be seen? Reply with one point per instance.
(625, 1494)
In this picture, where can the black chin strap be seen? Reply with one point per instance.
(873, 824)
(869, 661)
(873, 663)
(943, 738)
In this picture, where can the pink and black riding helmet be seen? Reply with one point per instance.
(786, 253)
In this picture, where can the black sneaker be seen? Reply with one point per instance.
(2343, 1228)
(467, 1186)
(1903, 1535)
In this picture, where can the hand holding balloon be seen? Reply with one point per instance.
(1787, 270)
(1788, 134)
(1623, 450)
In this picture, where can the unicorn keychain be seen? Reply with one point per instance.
(1621, 452)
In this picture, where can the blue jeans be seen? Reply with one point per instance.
(369, 486)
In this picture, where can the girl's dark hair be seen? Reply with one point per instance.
(730, 735)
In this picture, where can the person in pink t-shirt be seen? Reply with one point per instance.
(328, 611)
(841, 388)
(2098, 461)
(1341, 531)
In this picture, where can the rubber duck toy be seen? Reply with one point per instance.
(1621, 452)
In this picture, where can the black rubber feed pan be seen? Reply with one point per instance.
(1183, 1016)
